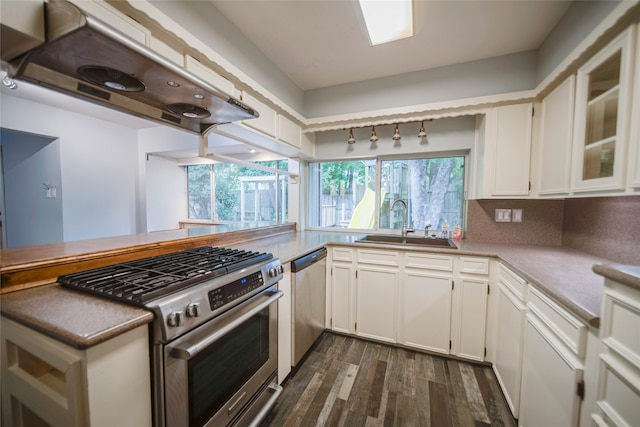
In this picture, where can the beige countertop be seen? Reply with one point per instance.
(626, 274)
(74, 318)
(82, 320)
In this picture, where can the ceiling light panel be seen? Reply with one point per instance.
(387, 20)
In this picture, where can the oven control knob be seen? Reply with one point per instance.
(175, 318)
(280, 269)
(193, 309)
(273, 272)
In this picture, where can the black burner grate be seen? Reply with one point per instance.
(140, 281)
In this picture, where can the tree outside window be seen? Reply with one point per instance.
(342, 194)
(230, 192)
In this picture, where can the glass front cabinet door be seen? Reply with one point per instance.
(602, 119)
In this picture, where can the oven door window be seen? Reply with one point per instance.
(216, 373)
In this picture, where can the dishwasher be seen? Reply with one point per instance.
(308, 300)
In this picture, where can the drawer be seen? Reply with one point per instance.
(428, 261)
(515, 283)
(621, 323)
(474, 265)
(565, 325)
(378, 257)
(342, 254)
(618, 391)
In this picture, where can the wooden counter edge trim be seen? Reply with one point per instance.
(23, 276)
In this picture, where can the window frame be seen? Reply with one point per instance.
(379, 159)
(280, 179)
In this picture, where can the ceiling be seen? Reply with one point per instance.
(324, 43)
(320, 43)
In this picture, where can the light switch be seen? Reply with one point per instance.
(516, 215)
(503, 215)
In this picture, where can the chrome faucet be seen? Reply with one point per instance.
(426, 230)
(405, 230)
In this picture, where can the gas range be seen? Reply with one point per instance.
(184, 289)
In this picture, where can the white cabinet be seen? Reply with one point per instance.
(554, 347)
(208, 75)
(549, 382)
(556, 140)
(511, 311)
(503, 152)
(46, 382)
(267, 123)
(425, 302)
(284, 325)
(429, 301)
(634, 138)
(377, 280)
(469, 315)
(106, 13)
(289, 132)
(618, 396)
(603, 104)
(341, 290)
(22, 27)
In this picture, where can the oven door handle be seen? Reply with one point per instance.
(186, 351)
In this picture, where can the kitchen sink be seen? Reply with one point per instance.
(408, 240)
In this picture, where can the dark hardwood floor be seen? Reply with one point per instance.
(346, 381)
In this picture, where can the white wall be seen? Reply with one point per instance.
(162, 183)
(98, 163)
(166, 194)
(28, 163)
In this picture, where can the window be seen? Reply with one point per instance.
(345, 194)
(230, 192)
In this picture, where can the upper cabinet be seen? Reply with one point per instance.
(555, 140)
(603, 107)
(503, 152)
(21, 27)
(634, 141)
(208, 75)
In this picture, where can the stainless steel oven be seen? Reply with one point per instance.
(214, 371)
(214, 338)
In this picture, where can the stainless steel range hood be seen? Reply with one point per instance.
(90, 60)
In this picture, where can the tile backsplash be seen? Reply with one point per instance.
(607, 227)
(541, 222)
(604, 226)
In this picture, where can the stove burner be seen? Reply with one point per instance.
(140, 281)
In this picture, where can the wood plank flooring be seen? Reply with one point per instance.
(346, 381)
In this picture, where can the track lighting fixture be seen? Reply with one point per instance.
(374, 137)
(422, 133)
(396, 134)
(351, 139)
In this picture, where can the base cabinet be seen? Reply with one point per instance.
(471, 314)
(426, 311)
(429, 301)
(510, 336)
(618, 395)
(550, 380)
(376, 302)
(46, 382)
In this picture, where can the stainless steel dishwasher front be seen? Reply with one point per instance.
(309, 282)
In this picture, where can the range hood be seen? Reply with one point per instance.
(89, 59)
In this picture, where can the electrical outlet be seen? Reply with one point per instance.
(503, 215)
(516, 215)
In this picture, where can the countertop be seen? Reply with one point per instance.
(626, 274)
(82, 320)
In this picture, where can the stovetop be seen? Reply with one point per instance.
(141, 281)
